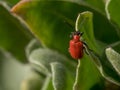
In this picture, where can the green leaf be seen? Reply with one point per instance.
(87, 75)
(84, 24)
(114, 59)
(53, 32)
(41, 58)
(112, 10)
(0, 88)
(105, 68)
(61, 77)
(12, 33)
(85, 66)
(97, 5)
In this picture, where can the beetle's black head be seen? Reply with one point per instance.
(76, 33)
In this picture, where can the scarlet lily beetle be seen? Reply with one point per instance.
(76, 46)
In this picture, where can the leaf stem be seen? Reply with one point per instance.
(76, 24)
(75, 86)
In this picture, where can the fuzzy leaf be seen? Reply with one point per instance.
(12, 33)
(58, 76)
(114, 59)
(41, 58)
(62, 79)
(33, 44)
(112, 10)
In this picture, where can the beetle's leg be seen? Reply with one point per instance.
(84, 44)
(86, 48)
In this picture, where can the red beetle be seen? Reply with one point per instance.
(76, 46)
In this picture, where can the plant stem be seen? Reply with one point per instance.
(76, 86)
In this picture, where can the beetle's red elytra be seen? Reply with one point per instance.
(76, 45)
